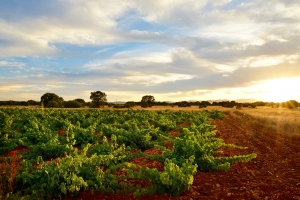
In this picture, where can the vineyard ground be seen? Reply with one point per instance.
(274, 174)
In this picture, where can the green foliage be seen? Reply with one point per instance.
(81, 101)
(98, 98)
(72, 104)
(87, 149)
(51, 100)
(216, 114)
(147, 101)
(52, 104)
(129, 104)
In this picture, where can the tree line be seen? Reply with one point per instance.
(98, 99)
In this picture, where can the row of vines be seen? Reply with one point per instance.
(68, 151)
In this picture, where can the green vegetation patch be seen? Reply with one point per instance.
(74, 150)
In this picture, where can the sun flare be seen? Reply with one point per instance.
(280, 90)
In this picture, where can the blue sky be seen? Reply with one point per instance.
(174, 50)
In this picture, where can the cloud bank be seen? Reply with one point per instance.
(174, 50)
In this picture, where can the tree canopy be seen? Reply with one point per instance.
(55, 100)
(147, 101)
(98, 98)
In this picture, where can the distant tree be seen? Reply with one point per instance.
(260, 103)
(183, 104)
(204, 104)
(98, 98)
(81, 101)
(32, 103)
(46, 98)
(228, 104)
(72, 104)
(147, 101)
(292, 104)
(129, 104)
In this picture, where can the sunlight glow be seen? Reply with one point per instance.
(280, 90)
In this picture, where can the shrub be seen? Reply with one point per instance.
(72, 104)
(292, 104)
(52, 104)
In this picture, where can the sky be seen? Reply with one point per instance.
(175, 50)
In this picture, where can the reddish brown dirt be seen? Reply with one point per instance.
(184, 124)
(61, 131)
(145, 162)
(175, 132)
(18, 149)
(274, 174)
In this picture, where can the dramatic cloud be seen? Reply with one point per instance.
(175, 50)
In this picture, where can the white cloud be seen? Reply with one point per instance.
(263, 61)
(152, 79)
(12, 64)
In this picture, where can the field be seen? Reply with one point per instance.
(148, 154)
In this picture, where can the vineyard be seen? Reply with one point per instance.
(60, 153)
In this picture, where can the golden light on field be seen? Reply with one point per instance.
(280, 90)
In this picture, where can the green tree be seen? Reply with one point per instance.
(98, 98)
(46, 98)
(147, 101)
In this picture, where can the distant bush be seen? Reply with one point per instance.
(129, 104)
(53, 104)
(184, 104)
(72, 104)
(228, 104)
(118, 106)
(292, 104)
(144, 104)
(238, 106)
(81, 101)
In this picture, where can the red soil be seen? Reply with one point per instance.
(18, 149)
(61, 131)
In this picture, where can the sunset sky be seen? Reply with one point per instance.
(175, 50)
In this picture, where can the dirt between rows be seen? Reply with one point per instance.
(274, 174)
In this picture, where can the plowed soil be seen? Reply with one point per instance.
(274, 174)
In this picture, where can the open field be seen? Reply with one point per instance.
(59, 153)
(283, 120)
(273, 174)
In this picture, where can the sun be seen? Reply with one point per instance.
(281, 90)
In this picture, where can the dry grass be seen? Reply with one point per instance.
(283, 120)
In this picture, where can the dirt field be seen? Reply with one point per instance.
(274, 174)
